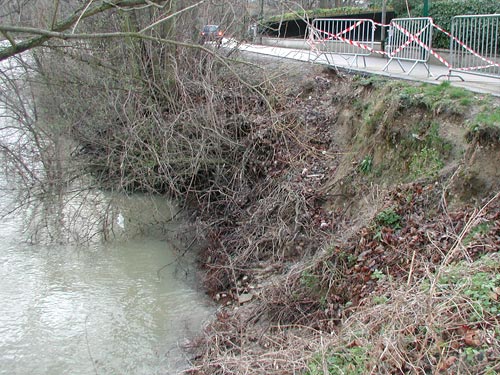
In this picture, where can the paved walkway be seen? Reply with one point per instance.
(375, 65)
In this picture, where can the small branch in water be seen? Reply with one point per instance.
(176, 259)
(88, 346)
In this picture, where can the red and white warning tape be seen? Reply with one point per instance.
(415, 38)
(338, 36)
(410, 39)
(470, 50)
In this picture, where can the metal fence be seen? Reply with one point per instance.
(475, 45)
(350, 38)
(409, 39)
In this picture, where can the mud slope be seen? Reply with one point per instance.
(359, 248)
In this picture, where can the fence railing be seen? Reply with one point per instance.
(475, 45)
(350, 38)
(409, 39)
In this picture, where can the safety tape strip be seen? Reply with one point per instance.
(422, 44)
(336, 36)
(348, 41)
(411, 38)
(359, 45)
(441, 59)
(368, 48)
(471, 68)
(462, 44)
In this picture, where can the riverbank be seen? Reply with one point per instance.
(369, 242)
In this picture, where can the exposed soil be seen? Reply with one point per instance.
(366, 188)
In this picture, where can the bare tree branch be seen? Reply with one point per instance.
(172, 15)
(54, 16)
(43, 35)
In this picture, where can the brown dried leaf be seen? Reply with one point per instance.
(472, 338)
(447, 363)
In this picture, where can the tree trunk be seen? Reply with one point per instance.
(324, 4)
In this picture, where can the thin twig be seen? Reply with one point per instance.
(88, 346)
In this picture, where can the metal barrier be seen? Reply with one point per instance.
(410, 39)
(475, 45)
(345, 37)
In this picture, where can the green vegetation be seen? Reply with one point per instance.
(425, 163)
(401, 6)
(480, 289)
(320, 13)
(430, 151)
(477, 231)
(461, 337)
(485, 127)
(442, 97)
(310, 281)
(443, 11)
(388, 218)
(375, 81)
(377, 275)
(490, 118)
(366, 164)
(418, 149)
(379, 300)
(348, 361)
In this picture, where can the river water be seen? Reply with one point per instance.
(104, 308)
(121, 306)
(82, 304)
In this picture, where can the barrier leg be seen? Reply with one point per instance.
(389, 62)
(449, 75)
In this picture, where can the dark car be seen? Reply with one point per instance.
(211, 33)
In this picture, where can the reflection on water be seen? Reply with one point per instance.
(92, 307)
(101, 309)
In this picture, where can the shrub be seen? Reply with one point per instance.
(485, 127)
(425, 163)
(443, 11)
(321, 13)
(400, 7)
(349, 361)
(389, 218)
(366, 165)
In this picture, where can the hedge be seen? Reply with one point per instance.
(321, 13)
(443, 11)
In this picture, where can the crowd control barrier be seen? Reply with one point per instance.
(409, 39)
(475, 45)
(349, 38)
